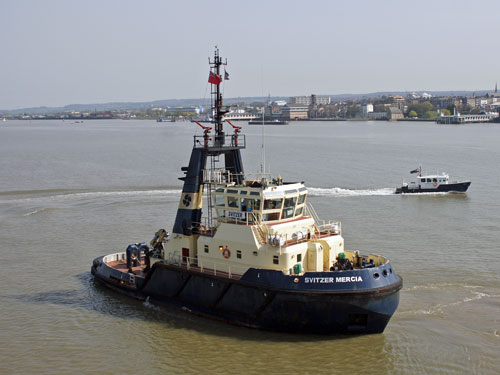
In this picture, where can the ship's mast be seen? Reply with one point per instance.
(201, 175)
(217, 110)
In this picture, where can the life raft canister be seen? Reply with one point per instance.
(226, 253)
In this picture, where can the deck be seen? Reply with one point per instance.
(121, 265)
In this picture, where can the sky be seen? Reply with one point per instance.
(59, 52)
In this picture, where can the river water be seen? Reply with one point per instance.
(71, 192)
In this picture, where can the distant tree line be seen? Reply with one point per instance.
(423, 110)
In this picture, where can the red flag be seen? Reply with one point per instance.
(214, 79)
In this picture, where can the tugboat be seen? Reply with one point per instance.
(432, 184)
(259, 257)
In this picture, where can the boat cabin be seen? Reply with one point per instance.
(259, 224)
(260, 203)
(429, 181)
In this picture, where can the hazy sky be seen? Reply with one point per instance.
(93, 51)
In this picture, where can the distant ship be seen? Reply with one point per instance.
(259, 257)
(260, 121)
(161, 119)
(432, 184)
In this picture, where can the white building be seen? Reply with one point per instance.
(366, 108)
(312, 99)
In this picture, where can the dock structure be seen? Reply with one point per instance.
(464, 119)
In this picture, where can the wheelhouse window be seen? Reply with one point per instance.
(422, 179)
(220, 200)
(232, 202)
(243, 204)
(250, 205)
(290, 202)
(298, 211)
(273, 204)
(287, 212)
(289, 207)
(302, 199)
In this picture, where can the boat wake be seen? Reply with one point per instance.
(40, 211)
(340, 192)
(86, 195)
(149, 305)
(472, 294)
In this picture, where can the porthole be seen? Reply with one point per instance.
(376, 275)
(390, 270)
(384, 272)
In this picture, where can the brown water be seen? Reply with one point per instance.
(71, 192)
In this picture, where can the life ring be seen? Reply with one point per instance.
(226, 253)
(435, 184)
(203, 229)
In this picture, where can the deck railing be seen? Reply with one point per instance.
(230, 140)
(116, 257)
(207, 266)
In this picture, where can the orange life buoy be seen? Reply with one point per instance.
(435, 184)
(226, 253)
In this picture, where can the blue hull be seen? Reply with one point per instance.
(317, 302)
(459, 187)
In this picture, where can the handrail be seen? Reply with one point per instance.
(230, 141)
(208, 267)
(219, 176)
(262, 229)
(310, 210)
(207, 228)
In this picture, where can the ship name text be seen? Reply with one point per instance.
(328, 280)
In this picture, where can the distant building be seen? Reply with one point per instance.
(194, 109)
(280, 102)
(444, 102)
(396, 98)
(481, 102)
(294, 112)
(395, 113)
(300, 100)
(495, 95)
(310, 100)
(366, 108)
(274, 109)
(240, 114)
(377, 115)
